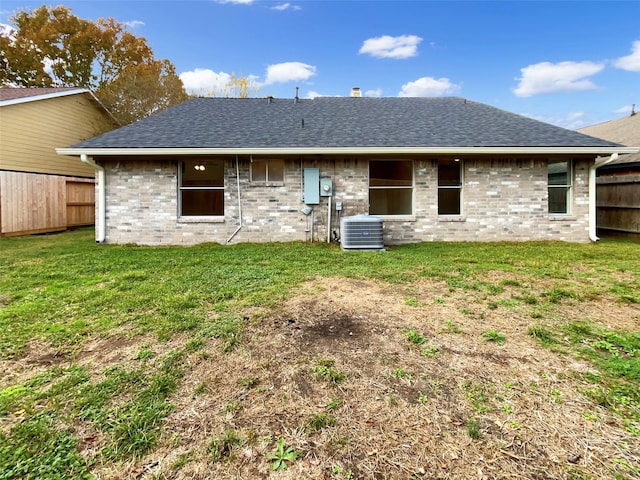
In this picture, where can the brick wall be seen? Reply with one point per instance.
(502, 200)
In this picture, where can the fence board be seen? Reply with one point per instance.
(37, 203)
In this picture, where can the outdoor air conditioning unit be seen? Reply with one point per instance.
(361, 232)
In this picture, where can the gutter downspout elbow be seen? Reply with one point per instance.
(102, 196)
(592, 194)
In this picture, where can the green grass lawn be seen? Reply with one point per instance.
(62, 291)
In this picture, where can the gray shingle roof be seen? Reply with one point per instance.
(327, 122)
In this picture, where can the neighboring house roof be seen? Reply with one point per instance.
(10, 96)
(624, 130)
(333, 124)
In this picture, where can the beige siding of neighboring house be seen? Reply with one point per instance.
(41, 191)
(31, 131)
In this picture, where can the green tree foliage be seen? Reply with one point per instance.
(51, 47)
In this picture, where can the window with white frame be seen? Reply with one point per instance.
(201, 186)
(391, 187)
(450, 187)
(267, 171)
(559, 176)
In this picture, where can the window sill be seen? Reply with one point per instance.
(452, 218)
(201, 219)
(266, 184)
(396, 218)
(560, 217)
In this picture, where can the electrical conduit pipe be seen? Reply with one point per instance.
(239, 204)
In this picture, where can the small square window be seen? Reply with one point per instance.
(268, 171)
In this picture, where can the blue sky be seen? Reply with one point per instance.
(573, 63)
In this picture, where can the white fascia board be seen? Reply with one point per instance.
(44, 97)
(349, 151)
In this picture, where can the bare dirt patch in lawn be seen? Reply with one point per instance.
(402, 409)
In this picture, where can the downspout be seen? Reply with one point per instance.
(102, 197)
(592, 193)
(239, 203)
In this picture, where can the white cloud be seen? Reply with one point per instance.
(288, 72)
(428, 87)
(404, 46)
(286, 6)
(549, 77)
(373, 93)
(632, 61)
(571, 120)
(626, 109)
(313, 94)
(134, 23)
(7, 31)
(203, 81)
(236, 2)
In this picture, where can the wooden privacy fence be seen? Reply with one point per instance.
(37, 203)
(618, 203)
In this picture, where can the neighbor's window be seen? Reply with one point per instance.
(267, 171)
(391, 187)
(559, 178)
(449, 187)
(201, 188)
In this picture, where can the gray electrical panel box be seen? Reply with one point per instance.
(311, 186)
(326, 187)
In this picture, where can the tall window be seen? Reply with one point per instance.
(391, 187)
(559, 177)
(267, 171)
(201, 188)
(449, 187)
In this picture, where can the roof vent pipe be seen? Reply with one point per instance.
(355, 92)
(633, 109)
(295, 100)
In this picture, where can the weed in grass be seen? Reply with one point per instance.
(414, 337)
(232, 407)
(413, 302)
(222, 448)
(318, 421)
(282, 455)
(542, 334)
(439, 300)
(36, 449)
(248, 382)
(334, 404)
(325, 368)
(507, 409)
(14, 397)
(556, 294)
(194, 345)
(451, 327)
(400, 373)
(431, 351)
(473, 428)
(145, 354)
(202, 388)
(393, 401)
(423, 399)
(478, 394)
(509, 282)
(493, 335)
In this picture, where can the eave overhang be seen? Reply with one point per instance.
(117, 152)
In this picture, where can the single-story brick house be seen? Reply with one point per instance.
(263, 169)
